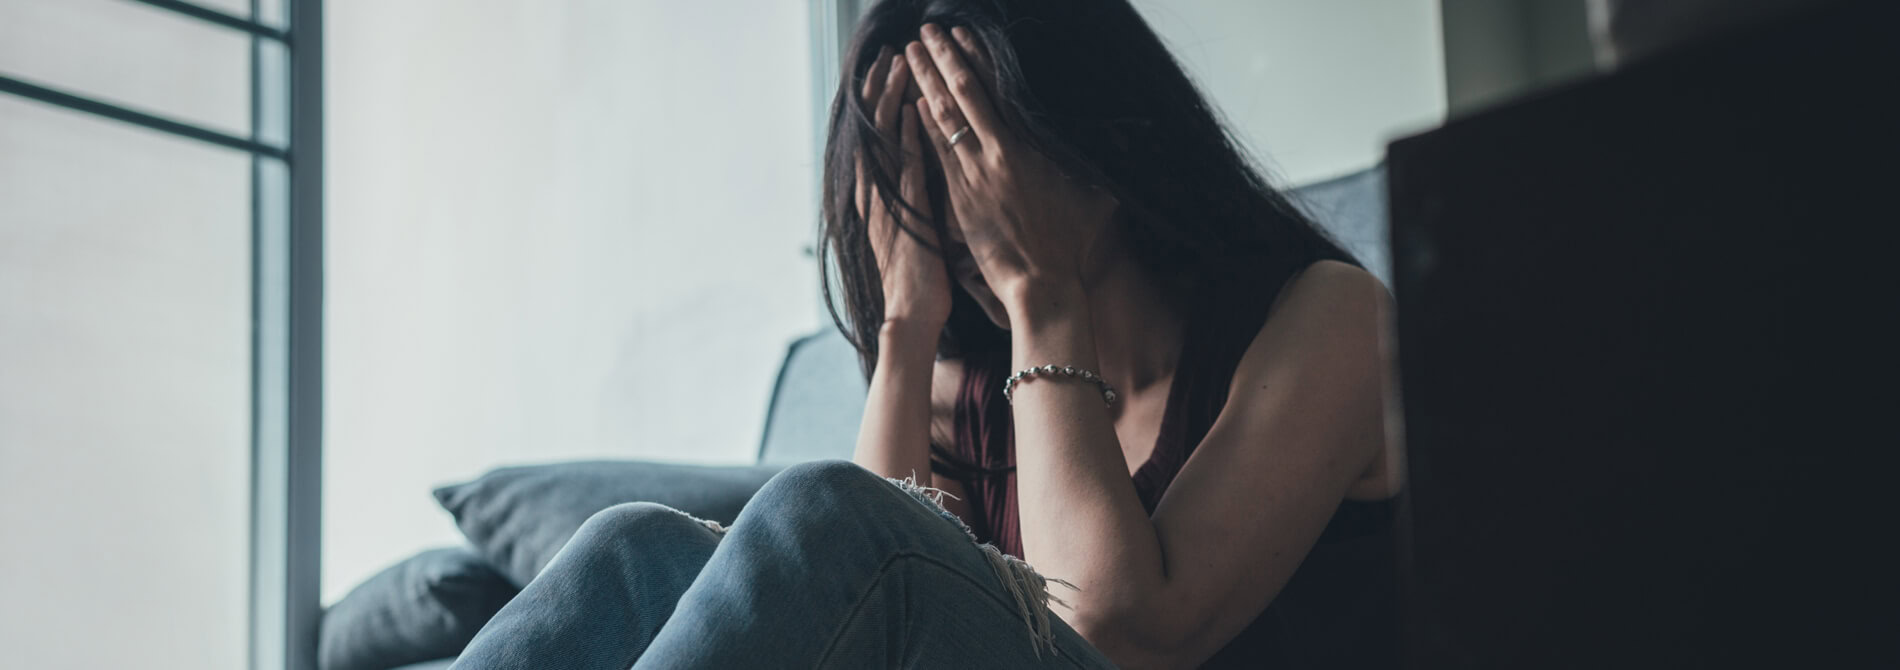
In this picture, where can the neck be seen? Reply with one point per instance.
(1137, 330)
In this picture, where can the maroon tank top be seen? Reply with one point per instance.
(1339, 607)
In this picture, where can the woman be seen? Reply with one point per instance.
(1152, 379)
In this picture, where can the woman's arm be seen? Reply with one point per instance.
(894, 436)
(1303, 421)
(911, 397)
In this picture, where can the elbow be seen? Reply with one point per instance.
(1141, 637)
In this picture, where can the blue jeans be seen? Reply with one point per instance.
(828, 566)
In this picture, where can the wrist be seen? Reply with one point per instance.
(910, 327)
(909, 338)
(1031, 303)
(915, 314)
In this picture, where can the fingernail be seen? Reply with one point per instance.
(897, 62)
(932, 30)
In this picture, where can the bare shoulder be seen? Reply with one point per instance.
(1330, 305)
(1323, 332)
(1332, 287)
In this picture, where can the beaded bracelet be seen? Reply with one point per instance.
(1108, 392)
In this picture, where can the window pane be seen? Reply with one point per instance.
(125, 397)
(273, 13)
(134, 55)
(273, 93)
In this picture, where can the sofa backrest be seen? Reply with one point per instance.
(816, 403)
(1353, 209)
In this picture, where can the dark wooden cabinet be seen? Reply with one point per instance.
(1647, 343)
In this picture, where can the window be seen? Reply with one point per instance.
(160, 241)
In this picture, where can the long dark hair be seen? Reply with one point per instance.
(1090, 85)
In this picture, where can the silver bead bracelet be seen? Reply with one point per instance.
(1108, 392)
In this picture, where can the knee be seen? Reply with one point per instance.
(806, 483)
(855, 510)
(627, 526)
(834, 494)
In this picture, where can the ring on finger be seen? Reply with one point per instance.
(958, 136)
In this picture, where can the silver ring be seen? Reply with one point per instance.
(958, 135)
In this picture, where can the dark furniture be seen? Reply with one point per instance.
(1646, 334)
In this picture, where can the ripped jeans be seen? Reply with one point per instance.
(828, 566)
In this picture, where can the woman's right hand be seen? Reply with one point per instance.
(916, 284)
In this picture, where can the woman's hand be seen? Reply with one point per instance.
(1029, 226)
(916, 285)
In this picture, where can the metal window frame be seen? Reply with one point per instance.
(832, 22)
(286, 148)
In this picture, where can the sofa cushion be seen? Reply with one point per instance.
(426, 607)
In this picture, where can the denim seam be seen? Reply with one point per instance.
(903, 630)
(858, 606)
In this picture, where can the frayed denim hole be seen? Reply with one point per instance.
(1020, 580)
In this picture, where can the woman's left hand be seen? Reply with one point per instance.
(1029, 226)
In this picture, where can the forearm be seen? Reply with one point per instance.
(894, 435)
(1081, 518)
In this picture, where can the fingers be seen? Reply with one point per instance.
(890, 104)
(892, 96)
(873, 86)
(884, 86)
(913, 177)
(940, 109)
(912, 144)
(961, 82)
(979, 59)
(859, 197)
(874, 79)
(952, 162)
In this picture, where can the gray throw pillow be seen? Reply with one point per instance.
(519, 517)
(423, 608)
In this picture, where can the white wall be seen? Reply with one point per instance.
(556, 230)
(1314, 87)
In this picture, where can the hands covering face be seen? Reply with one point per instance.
(1026, 223)
(916, 287)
